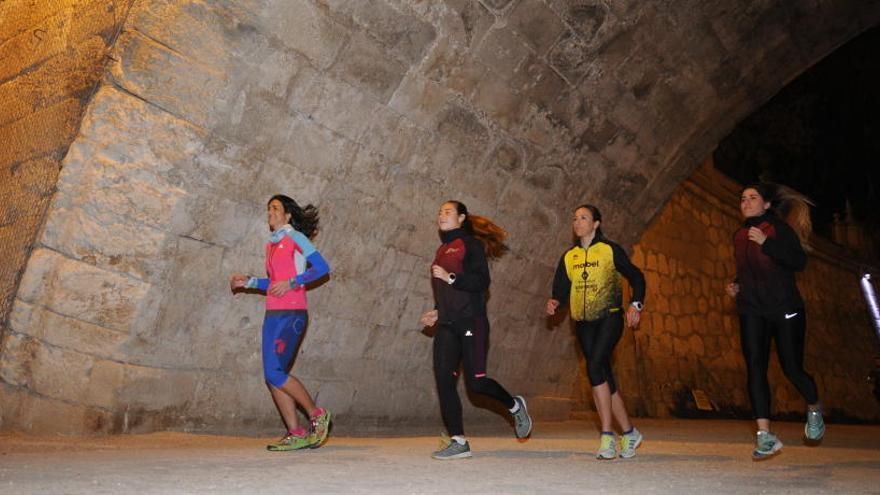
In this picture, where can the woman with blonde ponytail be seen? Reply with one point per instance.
(769, 249)
(460, 280)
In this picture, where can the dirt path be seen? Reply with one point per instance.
(677, 457)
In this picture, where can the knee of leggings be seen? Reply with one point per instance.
(477, 385)
(275, 377)
(601, 377)
(757, 371)
(597, 374)
(792, 371)
(444, 378)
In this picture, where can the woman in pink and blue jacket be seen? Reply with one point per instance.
(291, 263)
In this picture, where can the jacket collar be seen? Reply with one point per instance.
(451, 235)
(753, 221)
(280, 232)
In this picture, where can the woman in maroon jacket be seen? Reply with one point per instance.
(460, 279)
(768, 252)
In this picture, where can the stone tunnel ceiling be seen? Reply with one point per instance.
(376, 111)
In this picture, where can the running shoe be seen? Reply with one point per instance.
(521, 419)
(629, 443)
(814, 430)
(320, 429)
(766, 445)
(290, 442)
(607, 447)
(453, 450)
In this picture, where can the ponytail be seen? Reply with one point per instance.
(303, 219)
(490, 235)
(789, 205)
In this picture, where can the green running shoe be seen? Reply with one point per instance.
(453, 450)
(607, 447)
(290, 442)
(766, 445)
(629, 443)
(521, 419)
(814, 430)
(320, 429)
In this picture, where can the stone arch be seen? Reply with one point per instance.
(376, 111)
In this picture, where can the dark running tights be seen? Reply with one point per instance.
(756, 332)
(598, 339)
(465, 344)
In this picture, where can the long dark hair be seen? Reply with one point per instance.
(789, 205)
(597, 217)
(302, 219)
(484, 230)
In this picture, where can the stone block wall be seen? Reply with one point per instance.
(52, 54)
(376, 111)
(689, 338)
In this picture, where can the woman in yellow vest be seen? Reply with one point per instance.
(588, 279)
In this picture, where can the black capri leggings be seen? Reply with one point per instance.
(789, 330)
(598, 339)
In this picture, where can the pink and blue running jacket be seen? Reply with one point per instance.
(287, 254)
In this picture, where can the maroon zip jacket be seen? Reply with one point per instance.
(462, 254)
(765, 273)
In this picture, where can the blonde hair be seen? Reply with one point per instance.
(789, 205)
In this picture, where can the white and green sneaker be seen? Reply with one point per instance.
(290, 442)
(453, 450)
(607, 447)
(521, 419)
(766, 445)
(629, 443)
(814, 430)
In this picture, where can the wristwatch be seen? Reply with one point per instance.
(451, 278)
(638, 305)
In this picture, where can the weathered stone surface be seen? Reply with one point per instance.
(502, 51)
(590, 19)
(28, 412)
(80, 336)
(185, 90)
(365, 65)
(375, 111)
(536, 24)
(405, 35)
(29, 363)
(21, 216)
(69, 74)
(81, 290)
(466, 21)
(570, 58)
(24, 144)
(496, 4)
(303, 26)
(419, 98)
